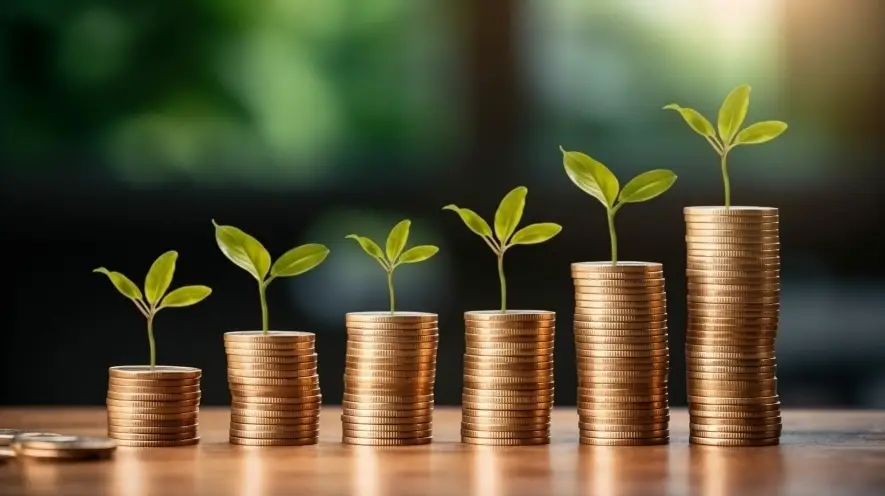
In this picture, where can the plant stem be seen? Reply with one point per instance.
(613, 236)
(390, 291)
(151, 343)
(725, 180)
(503, 281)
(262, 295)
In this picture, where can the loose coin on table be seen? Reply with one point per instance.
(59, 446)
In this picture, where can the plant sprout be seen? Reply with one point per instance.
(506, 236)
(598, 181)
(394, 255)
(155, 298)
(731, 118)
(250, 255)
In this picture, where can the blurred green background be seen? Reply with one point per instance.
(126, 126)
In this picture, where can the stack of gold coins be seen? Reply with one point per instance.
(274, 388)
(508, 377)
(62, 447)
(389, 378)
(622, 353)
(733, 273)
(154, 407)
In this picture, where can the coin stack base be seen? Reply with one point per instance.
(733, 269)
(389, 378)
(508, 377)
(154, 407)
(274, 387)
(622, 353)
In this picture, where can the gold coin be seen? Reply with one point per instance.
(363, 434)
(507, 382)
(760, 381)
(259, 337)
(504, 341)
(626, 434)
(506, 431)
(386, 442)
(735, 429)
(699, 400)
(151, 383)
(496, 369)
(622, 267)
(631, 427)
(731, 322)
(378, 421)
(376, 373)
(237, 375)
(411, 389)
(391, 330)
(388, 398)
(496, 393)
(733, 411)
(593, 306)
(274, 442)
(736, 435)
(762, 371)
(591, 441)
(308, 418)
(733, 230)
(272, 362)
(616, 276)
(374, 405)
(417, 340)
(471, 414)
(294, 348)
(485, 434)
(127, 416)
(505, 361)
(506, 402)
(506, 442)
(621, 354)
(418, 361)
(160, 421)
(391, 317)
(269, 415)
(150, 410)
(747, 238)
(306, 402)
(534, 374)
(772, 418)
(605, 397)
(242, 368)
(507, 327)
(542, 353)
(618, 405)
(127, 436)
(510, 315)
(514, 423)
(626, 423)
(295, 423)
(360, 346)
(193, 403)
(145, 372)
(363, 412)
(357, 353)
(282, 382)
(623, 413)
(739, 212)
(297, 386)
(734, 442)
(150, 429)
(268, 354)
(158, 444)
(649, 346)
(621, 284)
(499, 347)
(370, 428)
(305, 434)
(25, 453)
(592, 339)
(740, 341)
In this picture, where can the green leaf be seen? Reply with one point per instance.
(593, 177)
(733, 112)
(159, 277)
(299, 260)
(370, 247)
(535, 233)
(123, 284)
(396, 240)
(185, 296)
(695, 120)
(418, 254)
(510, 213)
(761, 132)
(647, 185)
(473, 221)
(243, 250)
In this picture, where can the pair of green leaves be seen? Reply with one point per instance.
(597, 180)
(156, 285)
(732, 114)
(395, 253)
(507, 219)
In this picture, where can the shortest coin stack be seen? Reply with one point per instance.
(57, 446)
(154, 407)
(389, 377)
(508, 378)
(274, 387)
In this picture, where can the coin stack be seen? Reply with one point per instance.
(733, 271)
(622, 353)
(508, 377)
(274, 388)
(389, 378)
(153, 407)
(61, 447)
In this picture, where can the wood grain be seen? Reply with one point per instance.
(823, 452)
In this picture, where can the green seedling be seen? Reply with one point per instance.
(507, 218)
(598, 181)
(395, 253)
(155, 297)
(731, 118)
(250, 255)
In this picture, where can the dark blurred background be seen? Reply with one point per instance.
(126, 126)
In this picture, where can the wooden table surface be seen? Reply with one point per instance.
(823, 452)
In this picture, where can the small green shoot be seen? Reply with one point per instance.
(731, 118)
(155, 297)
(250, 255)
(507, 218)
(595, 179)
(394, 255)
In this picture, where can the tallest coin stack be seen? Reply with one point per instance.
(733, 271)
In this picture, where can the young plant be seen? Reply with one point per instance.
(250, 255)
(394, 256)
(731, 118)
(598, 181)
(157, 282)
(506, 236)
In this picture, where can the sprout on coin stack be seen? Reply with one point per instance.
(151, 405)
(508, 361)
(733, 272)
(620, 323)
(390, 370)
(272, 375)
